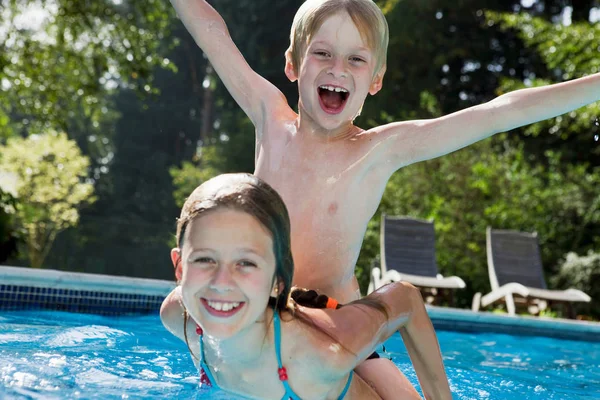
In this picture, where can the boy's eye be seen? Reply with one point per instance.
(357, 59)
(203, 260)
(321, 53)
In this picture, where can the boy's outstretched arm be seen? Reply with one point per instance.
(252, 92)
(404, 143)
(361, 328)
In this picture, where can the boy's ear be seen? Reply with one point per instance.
(377, 82)
(289, 69)
(176, 260)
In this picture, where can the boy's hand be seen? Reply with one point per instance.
(252, 92)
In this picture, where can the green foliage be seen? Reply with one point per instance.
(188, 177)
(8, 231)
(58, 73)
(548, 313)
(583, 273)
(211, 160)
(568, 52)
(466, 191)
(50, 187)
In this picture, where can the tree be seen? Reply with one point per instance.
(568, 51)
(61, 72)
(51, 186)
(8, 233)
(129, 229)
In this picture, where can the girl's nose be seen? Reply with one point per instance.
(222, 281)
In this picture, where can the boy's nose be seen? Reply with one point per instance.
(338, 68)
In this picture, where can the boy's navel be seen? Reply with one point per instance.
(332, 209)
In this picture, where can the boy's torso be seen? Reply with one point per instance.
(331, 190)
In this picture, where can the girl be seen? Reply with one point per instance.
(249, 337)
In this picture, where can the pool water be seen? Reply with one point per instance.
(54, 355)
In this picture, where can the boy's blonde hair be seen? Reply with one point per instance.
(365, 14)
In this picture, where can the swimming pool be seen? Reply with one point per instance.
(58, 355)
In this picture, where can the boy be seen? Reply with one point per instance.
(330, 173)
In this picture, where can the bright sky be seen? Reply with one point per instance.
(31, 17)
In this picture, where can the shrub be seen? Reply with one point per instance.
(583, 273)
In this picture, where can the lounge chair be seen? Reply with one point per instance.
(407, 251)
(515, 269)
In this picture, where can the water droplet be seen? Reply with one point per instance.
(596, 137)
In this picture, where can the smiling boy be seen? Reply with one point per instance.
(330, 173)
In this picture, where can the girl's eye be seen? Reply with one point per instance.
(321, 53)
(247, 263)
(357, 60)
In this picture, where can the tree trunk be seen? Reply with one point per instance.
(207, 106)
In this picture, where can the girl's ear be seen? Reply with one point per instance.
(289, 69)
(277, 288)
(176, 259)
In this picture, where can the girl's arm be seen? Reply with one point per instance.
(172, 315)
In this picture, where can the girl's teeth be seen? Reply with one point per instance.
(217, 305)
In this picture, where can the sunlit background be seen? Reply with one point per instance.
(110, 115)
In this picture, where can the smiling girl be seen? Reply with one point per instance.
(249, 337)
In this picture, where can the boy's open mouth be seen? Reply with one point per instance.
(332, 98)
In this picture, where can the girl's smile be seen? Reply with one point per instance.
(222, 309)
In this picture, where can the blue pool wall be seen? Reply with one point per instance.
(26, 289)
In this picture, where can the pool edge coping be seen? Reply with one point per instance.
(466, 320)
(55, 279)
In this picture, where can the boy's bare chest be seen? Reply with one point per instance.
(309, 180)
(328, 181)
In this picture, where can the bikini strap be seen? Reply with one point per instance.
(343, 394)
(277, 333)
(289, 393)
(205, 373)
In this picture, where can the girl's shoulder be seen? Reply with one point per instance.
(309, 334)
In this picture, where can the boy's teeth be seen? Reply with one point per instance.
(334, 89)
(220, 306)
